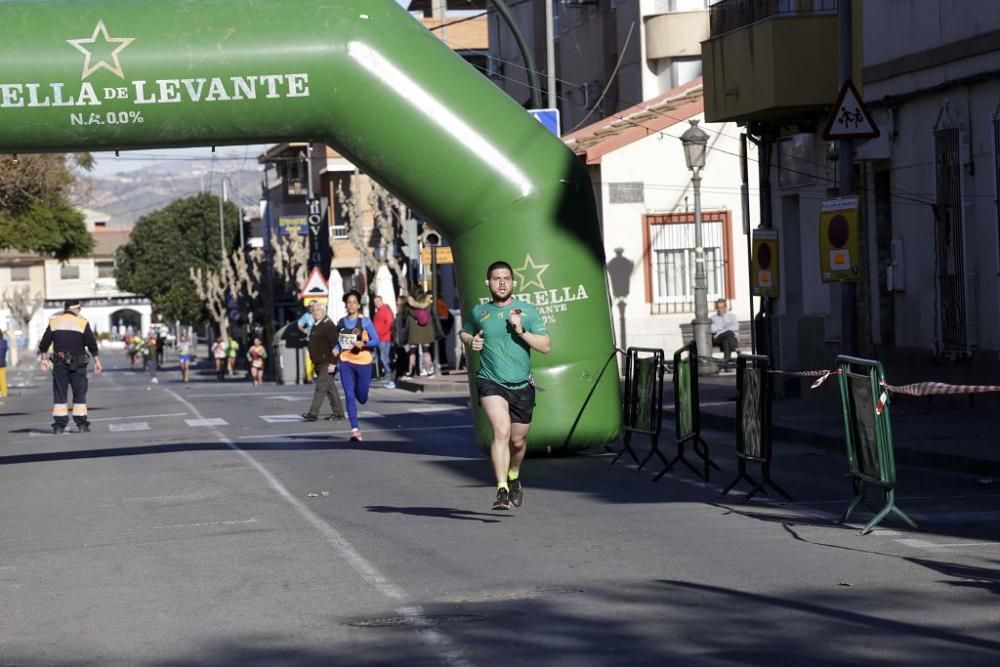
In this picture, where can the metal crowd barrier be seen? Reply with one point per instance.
(868, 434)
(687, 414)
(643, 409)
(753, 424)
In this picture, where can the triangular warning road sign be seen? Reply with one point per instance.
(850, 119)
(316, 285)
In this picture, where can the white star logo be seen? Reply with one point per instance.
(536, 274)
(103, 60)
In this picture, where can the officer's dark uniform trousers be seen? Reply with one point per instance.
(66, 375)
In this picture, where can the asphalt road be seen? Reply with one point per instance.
(208, 525)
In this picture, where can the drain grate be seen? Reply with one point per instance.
(430, 620)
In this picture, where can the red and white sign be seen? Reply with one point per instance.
(316, 287)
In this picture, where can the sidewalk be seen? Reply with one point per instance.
(944, 433)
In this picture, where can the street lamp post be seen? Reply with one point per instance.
(695, 142)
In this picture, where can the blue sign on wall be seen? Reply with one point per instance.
(547, 117)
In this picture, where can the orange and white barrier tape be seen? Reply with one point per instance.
(822, 376)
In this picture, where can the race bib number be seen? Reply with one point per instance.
(348, 340)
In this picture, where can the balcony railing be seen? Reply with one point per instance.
(727, 15)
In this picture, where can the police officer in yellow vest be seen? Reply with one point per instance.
(71, 338)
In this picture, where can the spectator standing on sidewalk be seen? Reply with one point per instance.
(4, 345)
(384, 322)
(357, 342)
(322, 340)
(725, 331)
(504, 331)
(422, 334)
(401, 336)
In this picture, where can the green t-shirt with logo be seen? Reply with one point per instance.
(505, 357)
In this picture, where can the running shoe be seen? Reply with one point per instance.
(503, 499)
(309, 417)
(334, 418)
(356, 435)
(83, 428)
(516, 492)
(58, 429)
(390, 385)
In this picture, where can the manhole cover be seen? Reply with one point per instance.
(415, 621)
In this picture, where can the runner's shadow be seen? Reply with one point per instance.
(436, 512)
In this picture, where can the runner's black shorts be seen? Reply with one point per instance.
(521, 401)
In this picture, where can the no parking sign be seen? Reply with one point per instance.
(764, 272)
(838, 240)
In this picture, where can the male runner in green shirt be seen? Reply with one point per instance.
(504, 332)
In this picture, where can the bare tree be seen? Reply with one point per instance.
(212, 288)
(22, 305)
(291, 259)
(247, 278)
(377, 245)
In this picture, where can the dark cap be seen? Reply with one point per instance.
(72, 303)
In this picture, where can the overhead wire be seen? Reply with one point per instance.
(902, 195)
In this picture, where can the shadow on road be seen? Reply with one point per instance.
(435, 512)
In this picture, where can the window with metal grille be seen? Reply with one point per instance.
(69, 272)
(105, 269)
(950, 255)
(20, 274)
(670, 263)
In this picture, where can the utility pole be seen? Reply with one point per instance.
(222, 219)
(848, 289)
(550, 55)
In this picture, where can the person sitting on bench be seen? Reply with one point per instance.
(725, 331)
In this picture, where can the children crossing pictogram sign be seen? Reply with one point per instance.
(850, 119)
(316, 288)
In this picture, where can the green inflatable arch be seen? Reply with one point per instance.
(367, 79)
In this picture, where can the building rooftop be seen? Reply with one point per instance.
(629, 125)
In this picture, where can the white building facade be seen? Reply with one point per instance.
(933, 183)
(646, 200)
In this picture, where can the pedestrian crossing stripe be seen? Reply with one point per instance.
(211, 421)
(129, 426)
(281, 419)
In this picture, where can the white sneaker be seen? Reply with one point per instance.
(424, 373)
(390, 385)
(154, 381)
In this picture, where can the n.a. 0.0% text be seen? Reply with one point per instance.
(109, 118)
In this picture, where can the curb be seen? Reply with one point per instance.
(920, 458)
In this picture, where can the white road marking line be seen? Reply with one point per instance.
(209, 422)
(203, 524)
(926, 544)
(129, 426)
(442, 408)
(165, 414)
(279, 397)
(366, 430)
(39, 434)
(365, 569)
(280, 419)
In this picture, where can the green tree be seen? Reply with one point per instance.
(166, 244)
(35, 213)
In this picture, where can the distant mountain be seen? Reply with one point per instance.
(127, 196)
